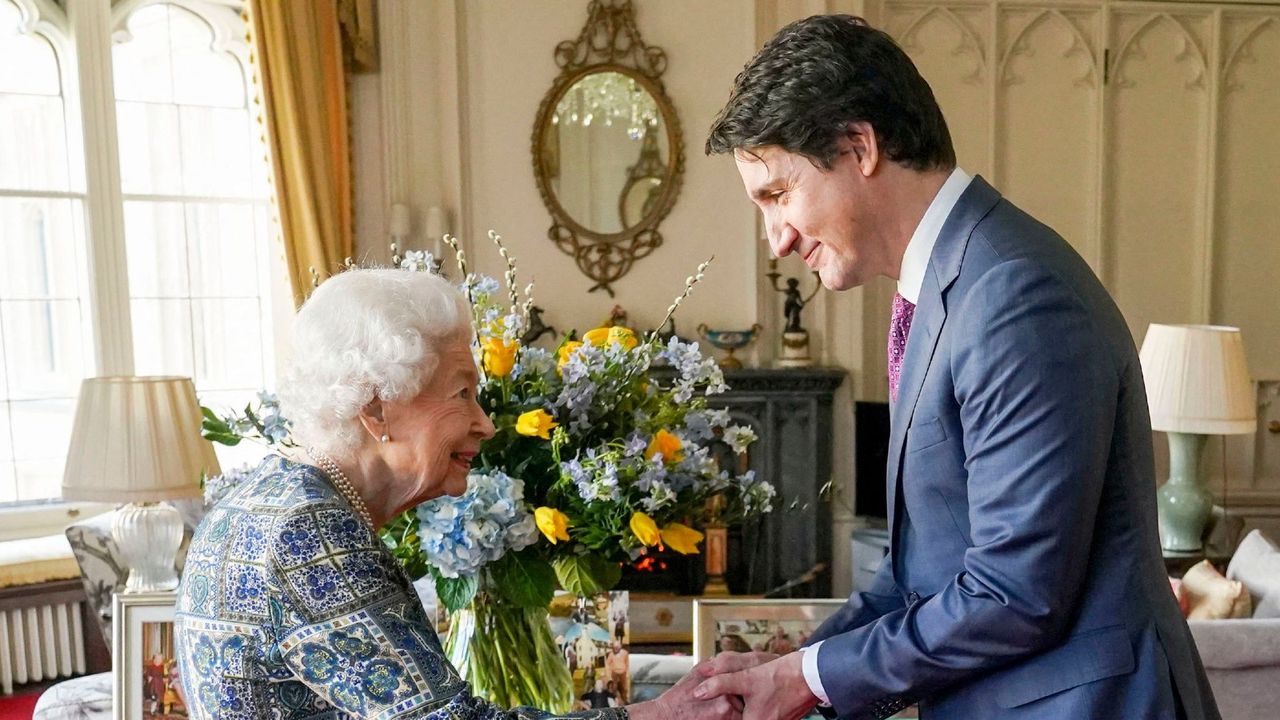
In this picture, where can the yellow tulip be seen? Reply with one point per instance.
(566, 351)
(499, 356)
(601, 336)
(553, 524)
(598, 337)
(625, 337)
(681, 538)
(536, 423)
(667, 444)
(645, 528)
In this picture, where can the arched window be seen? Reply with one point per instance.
(44, 332)
(196, 203)
(189, 176)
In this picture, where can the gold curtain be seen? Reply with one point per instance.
(298, 55)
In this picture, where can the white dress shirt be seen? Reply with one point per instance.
(915, 261)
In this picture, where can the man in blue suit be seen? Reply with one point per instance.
(1024, 577)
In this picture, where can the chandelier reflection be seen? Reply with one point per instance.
(608, 97)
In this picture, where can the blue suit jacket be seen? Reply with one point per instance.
(1024, 577)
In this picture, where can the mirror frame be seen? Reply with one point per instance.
(609, 42)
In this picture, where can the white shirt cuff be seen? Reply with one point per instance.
(809, 661)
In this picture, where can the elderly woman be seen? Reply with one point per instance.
(290, 606)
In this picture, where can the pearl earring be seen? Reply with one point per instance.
(385, 438)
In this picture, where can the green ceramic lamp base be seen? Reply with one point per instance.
(1183, 502)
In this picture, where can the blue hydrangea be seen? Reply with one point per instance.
(461, 534)
(534, 361)
(697, 425)
(636, 445)
(275, 427)
(581, 478)
(693, 369)
(651, 475)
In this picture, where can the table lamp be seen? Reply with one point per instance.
(137, 440)
(1198, 385)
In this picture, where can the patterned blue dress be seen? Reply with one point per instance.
(291, 607)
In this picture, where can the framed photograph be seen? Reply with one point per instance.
(147, 683)
(743, 625)
(593, 634)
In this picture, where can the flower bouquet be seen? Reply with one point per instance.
(593, 464)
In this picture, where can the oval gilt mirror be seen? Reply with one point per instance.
(608, 154)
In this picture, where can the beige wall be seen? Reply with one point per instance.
(508, 66)
(1171, 203)
(448, 121)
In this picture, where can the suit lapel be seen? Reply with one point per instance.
(930, 315)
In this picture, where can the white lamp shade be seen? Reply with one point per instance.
(1197, 380)
(137, 439)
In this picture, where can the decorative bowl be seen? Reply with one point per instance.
(729, 340)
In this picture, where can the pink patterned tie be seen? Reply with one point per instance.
(899, 328)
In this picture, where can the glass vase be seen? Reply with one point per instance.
(508, 655)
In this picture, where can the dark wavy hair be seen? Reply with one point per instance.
(818, 75)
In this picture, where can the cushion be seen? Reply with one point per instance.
(81, 698)
(1256, 564)
(1184, 604)
(36, 560)
(1212, 596)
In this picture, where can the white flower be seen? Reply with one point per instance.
(739, 437)
(660, 496)
(417, 261)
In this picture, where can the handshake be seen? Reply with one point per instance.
(736, 686)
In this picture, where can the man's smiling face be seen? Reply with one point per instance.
(825, 216)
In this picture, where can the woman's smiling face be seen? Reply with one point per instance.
(438, 433)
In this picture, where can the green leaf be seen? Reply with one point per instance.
(222, 438)
(455, 593)
(216, 424)
(524, 579)
(209, 414)
(587, 574)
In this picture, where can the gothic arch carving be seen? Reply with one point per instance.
(1240, 53)
(1132, 47)
(1080, 45)
(969, 40)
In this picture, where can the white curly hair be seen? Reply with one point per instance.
(364, 334)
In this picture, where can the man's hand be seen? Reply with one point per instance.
(679, 703)
(728, 662)
(775, 690)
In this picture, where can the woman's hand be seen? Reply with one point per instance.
(678, 703)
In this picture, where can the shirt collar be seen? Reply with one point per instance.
(916, 259)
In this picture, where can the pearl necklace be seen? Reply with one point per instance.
(340, 481)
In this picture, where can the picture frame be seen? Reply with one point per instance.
(777, 626)
(593, 634)
(143, 654)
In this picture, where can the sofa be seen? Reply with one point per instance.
(1242, 660)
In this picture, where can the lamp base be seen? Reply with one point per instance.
(1183, 502)
(149, 535)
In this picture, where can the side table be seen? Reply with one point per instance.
(1178, 562)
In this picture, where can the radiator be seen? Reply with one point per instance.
(40, 643)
